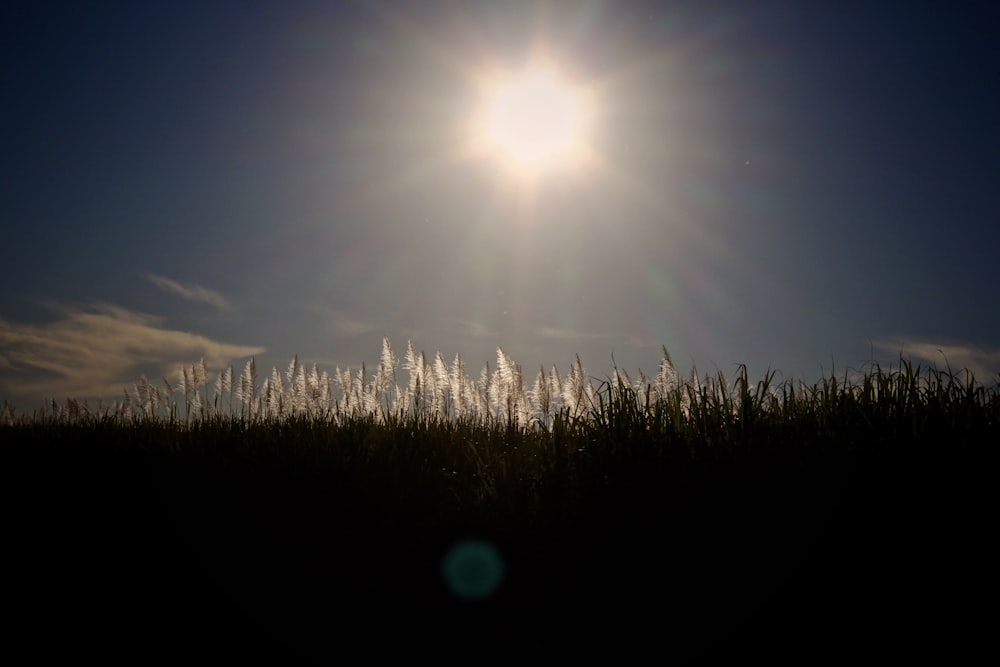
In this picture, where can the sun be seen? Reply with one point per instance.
(533, 121)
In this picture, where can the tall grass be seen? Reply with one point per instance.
(419, 428)
(875, 403)
(307, 495)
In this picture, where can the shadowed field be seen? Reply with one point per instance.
(819, 522)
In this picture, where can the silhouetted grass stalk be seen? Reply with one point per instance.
(889, 402)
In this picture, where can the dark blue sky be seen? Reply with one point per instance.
(793, 186)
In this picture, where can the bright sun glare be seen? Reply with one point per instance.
(533, 121)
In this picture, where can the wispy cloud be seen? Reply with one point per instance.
(190, 291)
(94, 352)
(983, 363)
(340, 323)
(555, 333)
(466, 328)
(449, 331)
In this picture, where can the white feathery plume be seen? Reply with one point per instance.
(541, 397)
(457, 380)
(200, 373)
(290, 372)
(265, 396)
(576, 388)
(247, 392)
(155, 398)
(503, 379)
(666, 376)
(325, 392)
(125, 409)
(442, 383)
(555, 389)
(344, 380)
(642, 383)
(223, 384)
(368, 397)
(300, 390)
(430, 384)
(443, 399)
(358, 392)
(386, 370)
(483, 392)
(414, 366)
(276, 392)
(196, 407)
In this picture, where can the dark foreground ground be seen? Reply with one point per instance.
(123, 561)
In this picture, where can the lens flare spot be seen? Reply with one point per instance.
(473, 570)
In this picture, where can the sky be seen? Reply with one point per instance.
(800, 187)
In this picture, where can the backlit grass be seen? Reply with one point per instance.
(304, 495)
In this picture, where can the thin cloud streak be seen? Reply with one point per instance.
(984, 364)
(339, 323)
(95, 352)
(449, 331)
(465, 328)
(554, 333)
(190, 291)
(571, 336)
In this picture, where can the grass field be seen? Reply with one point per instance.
(307, 514)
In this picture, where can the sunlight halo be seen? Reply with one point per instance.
(532, 121)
